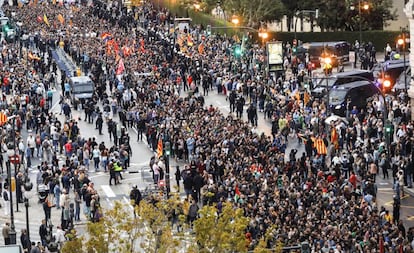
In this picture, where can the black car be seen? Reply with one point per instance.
(325, 84)
(346, 96)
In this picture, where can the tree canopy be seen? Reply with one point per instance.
(151, 230)
(334, 15)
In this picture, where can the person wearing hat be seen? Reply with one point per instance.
(135, 197)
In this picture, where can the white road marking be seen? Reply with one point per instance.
(108, 191)
(109, 202)
(128, 202)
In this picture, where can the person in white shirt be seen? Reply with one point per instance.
(156, 170)
(60, 237)
(96, 157)
(400, 133)
(31, 143)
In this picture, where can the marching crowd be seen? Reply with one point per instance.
(325, 196)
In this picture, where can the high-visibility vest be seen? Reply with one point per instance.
(117, 167)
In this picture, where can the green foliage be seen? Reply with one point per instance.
(255, 11)
(151, 231)
(345, 15)
(334, 15)
(74, 245)
(224, 232)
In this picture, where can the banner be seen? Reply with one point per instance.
(275, 53)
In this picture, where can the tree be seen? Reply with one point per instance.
(345, 15)
(221, 232)
(253, 12)
(119, 231)
(151, 231)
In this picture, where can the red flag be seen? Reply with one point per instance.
(116, 47)
(121, 68)
(237, 193)
(142, 47)
(201, 48)
(126, 51)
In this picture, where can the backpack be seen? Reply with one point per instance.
(5, 196)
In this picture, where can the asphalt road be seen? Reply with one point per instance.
(140, 175)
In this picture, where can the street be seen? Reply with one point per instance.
(139, 173)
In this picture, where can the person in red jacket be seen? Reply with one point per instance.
(353, 179)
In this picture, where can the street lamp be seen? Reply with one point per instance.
(327, 69)
(263, 35)
(361, 7)
(167, 149)
(402, 43)
(27, 187)
(11, 152)
(235, 20)
(197, 7)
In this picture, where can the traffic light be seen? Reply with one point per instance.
(6, 28)
(167, 148)
(304, 247)
(237, 51)
(389, 129)
(208, 30)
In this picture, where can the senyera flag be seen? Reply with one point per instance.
(160, 148)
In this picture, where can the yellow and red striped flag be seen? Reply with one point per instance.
(159, 148)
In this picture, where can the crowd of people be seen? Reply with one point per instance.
(325, 196)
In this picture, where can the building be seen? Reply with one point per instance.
(402, 20)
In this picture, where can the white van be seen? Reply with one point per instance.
(82, 88)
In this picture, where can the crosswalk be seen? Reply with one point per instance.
(35, 220)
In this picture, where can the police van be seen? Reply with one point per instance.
(82, 88)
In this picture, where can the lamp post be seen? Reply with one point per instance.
(11, 152)
(263, 35)
(167, 153)
(13, 157)
(361, 7)
(27, 187)
(402, 43)
(235, 20)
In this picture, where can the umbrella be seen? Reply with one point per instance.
(334, 118)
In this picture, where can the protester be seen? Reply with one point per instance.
(307, 199)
